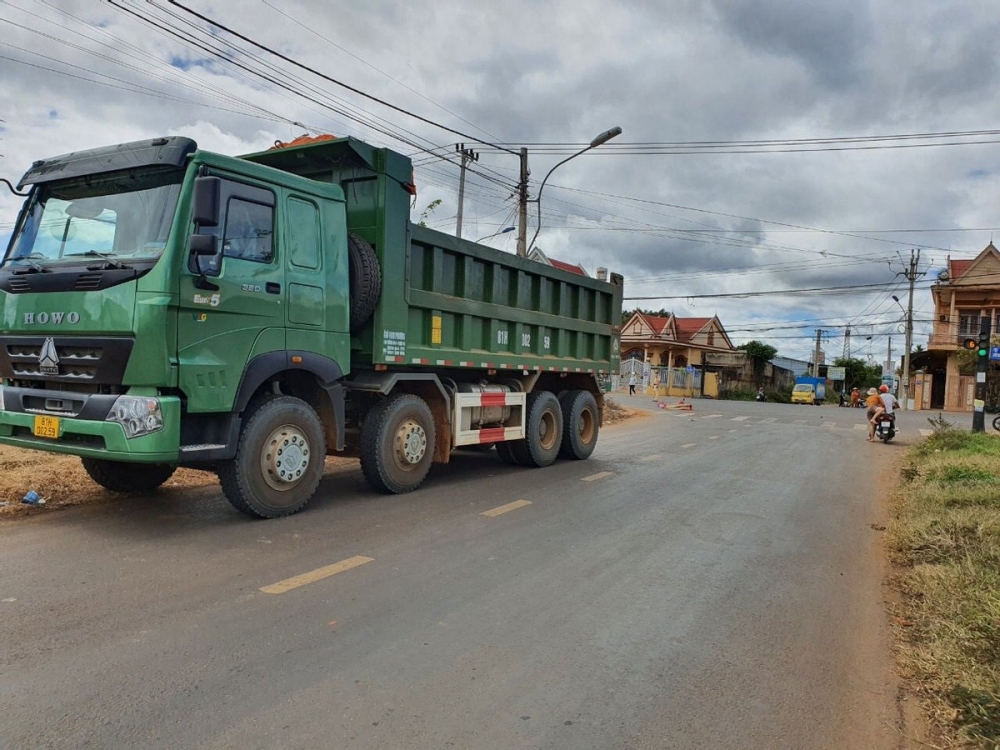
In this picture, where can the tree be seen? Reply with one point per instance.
(859, 374)
(759, 350)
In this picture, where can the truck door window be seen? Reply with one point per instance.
(249, 231)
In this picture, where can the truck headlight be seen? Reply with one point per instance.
(138, 415)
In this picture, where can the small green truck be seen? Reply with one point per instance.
(165, 306)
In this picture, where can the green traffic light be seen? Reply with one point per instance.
(981, 352)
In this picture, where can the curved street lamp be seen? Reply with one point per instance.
(604, 137)
(499, 231)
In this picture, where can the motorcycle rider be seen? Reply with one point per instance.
(873, 402)
(887, 405)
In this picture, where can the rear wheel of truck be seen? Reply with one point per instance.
(543, 431)
(365, 279)
(397, 444)
(582, 422)
(279, 459)
(506, 453)
(119, 476)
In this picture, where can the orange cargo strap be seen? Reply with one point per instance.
(303, 140)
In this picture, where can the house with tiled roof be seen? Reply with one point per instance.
(965, 291)
(676, 346)
(541, 257)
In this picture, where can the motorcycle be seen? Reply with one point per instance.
(885, 427)
(996, 423)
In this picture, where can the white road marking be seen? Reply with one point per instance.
(711, 416)
(654, 457)
(801, 421)
(739, 419)
(769, 420)
(714, 437)
(689, 445)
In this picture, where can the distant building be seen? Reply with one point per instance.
(670, 352)
(964, 291)
(541, 257)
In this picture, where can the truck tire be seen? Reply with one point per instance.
(506, 454)
(279, 459)
(543, 431)
(581, 424)
(397, 444)
(119, 476)
(365, 278)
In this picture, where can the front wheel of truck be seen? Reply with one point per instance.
(397, 444)
(119, 476)
(279, 459)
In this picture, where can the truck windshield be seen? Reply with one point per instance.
(114, 219)
(802, 387)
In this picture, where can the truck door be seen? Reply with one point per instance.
(236, 309)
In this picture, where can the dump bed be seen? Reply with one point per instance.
(447, 302)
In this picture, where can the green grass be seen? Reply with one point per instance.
(945, 531)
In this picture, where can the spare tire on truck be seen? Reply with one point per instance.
(365, 278)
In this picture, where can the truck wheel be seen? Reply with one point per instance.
(365, 280)
(279, 459)
(119, 476)
(543, 431)
(582, 423)
(397, 444)
(506, 453)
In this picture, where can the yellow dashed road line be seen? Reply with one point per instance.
(689, 445)
(505, 508)
(598, 475)
(316, 575)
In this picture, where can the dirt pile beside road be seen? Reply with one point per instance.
(61, 481)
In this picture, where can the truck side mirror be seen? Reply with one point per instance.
(204, 244)
(206, 201)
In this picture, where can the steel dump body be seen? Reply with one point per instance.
(452, 303)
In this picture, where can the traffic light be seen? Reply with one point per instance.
(983, 345)
(971, 344)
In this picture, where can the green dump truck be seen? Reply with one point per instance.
(164, 306)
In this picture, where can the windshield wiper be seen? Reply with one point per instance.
(106, 257)
(35, 267)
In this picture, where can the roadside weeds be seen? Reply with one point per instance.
(944, 535)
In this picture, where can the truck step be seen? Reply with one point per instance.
(202, 447)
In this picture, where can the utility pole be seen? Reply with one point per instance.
(819, 334)
(888, 356)
(522, 206)
(467, 155)
(847, 343)
(911, 276)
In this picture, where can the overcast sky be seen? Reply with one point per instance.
(680, 222)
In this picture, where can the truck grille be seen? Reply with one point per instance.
(68, 359)
(78, 363)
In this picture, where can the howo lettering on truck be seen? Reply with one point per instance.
(165, 306)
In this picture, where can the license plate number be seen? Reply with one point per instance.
(46, 427)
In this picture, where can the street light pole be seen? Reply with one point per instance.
(499, 231)
(911, 276)
(604, 137)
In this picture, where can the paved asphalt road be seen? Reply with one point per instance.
(705, 580)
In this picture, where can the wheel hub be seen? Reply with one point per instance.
(410, 443)
(284, 457)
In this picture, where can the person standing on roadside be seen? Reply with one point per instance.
(631, 384)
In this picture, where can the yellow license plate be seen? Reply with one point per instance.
(46, 427)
